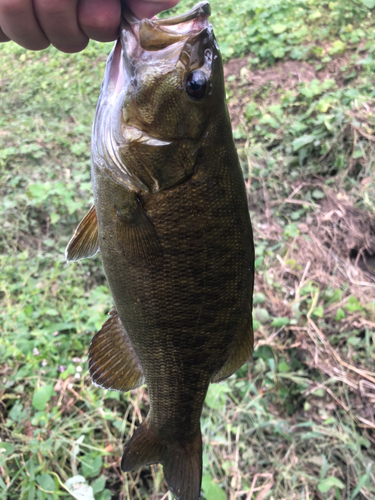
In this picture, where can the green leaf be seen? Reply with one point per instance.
(283, 367)
(258, 298)
(258, 262)
(318, 194)
(99, 484)
(54, 217)
(320, 393)
(315, 14)
(263, 352)
(278, 53)
(91, 464)
(41, 397)
(261, 315)
(340, 314)
(319, 311)
(6, 449)
(353, 304)
(215, 398)
(38, 192)
(354, 340)
(105, 495)
(17, 413)
(291, 230)
(279, 322)
(358, 153)
(278, 28)
(359, 486)
(251, 110)
(328, 483)
(338, 47)
(297, 214)
(80, 149)
(46, 482)
(238, 133)
(300, 142)
(212, 490)
(370, 4)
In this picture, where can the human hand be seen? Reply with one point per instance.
(68, 24)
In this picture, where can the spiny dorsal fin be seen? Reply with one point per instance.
(241, 353)
(85, 241)
(112, 361)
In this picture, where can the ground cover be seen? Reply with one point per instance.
(296, 422)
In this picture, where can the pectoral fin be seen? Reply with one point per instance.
(85, 241)
(112, 361)
(138, 235)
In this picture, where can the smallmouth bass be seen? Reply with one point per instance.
(172, 225)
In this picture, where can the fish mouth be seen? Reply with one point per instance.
(152, 41)
(157, 34)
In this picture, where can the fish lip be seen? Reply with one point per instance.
(200, 11)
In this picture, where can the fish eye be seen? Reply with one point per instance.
(196, 84)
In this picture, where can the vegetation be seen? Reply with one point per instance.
(298, 421)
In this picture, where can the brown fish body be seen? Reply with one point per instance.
(175, 238)
(184, 311)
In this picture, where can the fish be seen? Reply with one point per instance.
(171, 222)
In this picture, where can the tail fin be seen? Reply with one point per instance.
(182, 463)
(183, 469)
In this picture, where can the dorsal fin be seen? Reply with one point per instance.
(85, 240)
(112, 361)
(241, 353)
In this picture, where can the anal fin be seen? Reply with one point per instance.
(112, 361)
(240, 354)
(85, 240)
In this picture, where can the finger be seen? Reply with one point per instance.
(58, 19)
(149, 8)
(19, 23)
(100, 19)
(3, 37)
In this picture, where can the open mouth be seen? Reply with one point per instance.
(190, 22)
(153, 40)
(153, 35)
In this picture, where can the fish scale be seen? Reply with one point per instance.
(172, 225)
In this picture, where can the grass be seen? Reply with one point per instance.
(296, 422)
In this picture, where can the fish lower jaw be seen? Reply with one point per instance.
(133, 134)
